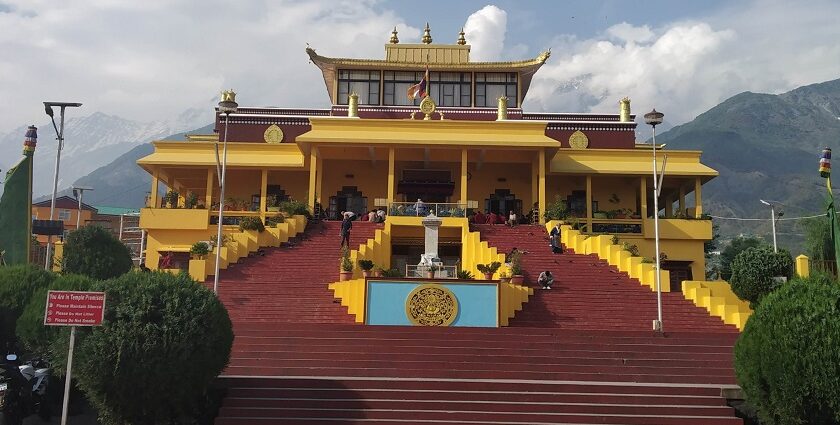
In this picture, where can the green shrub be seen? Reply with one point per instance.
(753, 272)
(392, 273)
(787, 359)
(633, 249)
(31, 332)
(465, 274)
(251, 223)
(556, 210)
(165, 339)
(274, 220)
(733, 249)
(345, 264)
(516, 263)
(17, 284)
(489, 268)
(365, 265)
(293, 207)
(171, 198)
(200, 249)
(94, 252)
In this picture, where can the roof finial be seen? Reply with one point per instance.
(461, 40)
(427, 35)
(394, 39)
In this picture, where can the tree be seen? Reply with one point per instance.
(31, 332)
(787, 360)
(94, 252)
(754, 273)
(818, 242)
(732, 250)
(17, 284)
(165, 338)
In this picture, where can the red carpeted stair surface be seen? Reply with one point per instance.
(581, 353)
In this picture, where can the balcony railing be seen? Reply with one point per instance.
(423, 209)
(421, 271)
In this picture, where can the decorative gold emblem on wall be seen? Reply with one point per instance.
(431, 305)
(273, 134)
(427, 107)
(578, 140)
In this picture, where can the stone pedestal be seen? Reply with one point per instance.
(432, 225)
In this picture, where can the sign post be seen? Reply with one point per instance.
(73, 308)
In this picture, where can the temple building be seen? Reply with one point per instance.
(466, 146)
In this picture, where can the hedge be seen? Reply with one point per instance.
(753, 271)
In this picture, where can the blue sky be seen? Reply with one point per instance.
(151, 60)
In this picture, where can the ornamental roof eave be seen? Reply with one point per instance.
(329, 67)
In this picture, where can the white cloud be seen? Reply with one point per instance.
(485, 32)
(151, 60)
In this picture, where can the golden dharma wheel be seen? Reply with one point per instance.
(273, 134)
(578, 140)
(431, 305)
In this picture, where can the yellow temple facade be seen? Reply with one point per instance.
(465, 148)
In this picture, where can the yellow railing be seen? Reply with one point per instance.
(719, 300)
(351, 293)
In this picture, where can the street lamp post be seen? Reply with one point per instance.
(59, 132)
(78, 192)
(654, 118)
(772, 221)
(227, 106)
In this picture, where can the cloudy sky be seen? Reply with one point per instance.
(151, 59)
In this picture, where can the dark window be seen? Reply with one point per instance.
(490, 86)
(364, 83)
(395, 87)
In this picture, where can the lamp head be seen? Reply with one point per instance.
(228, 103)
(764, 202)
(48, 109)
(654, 118)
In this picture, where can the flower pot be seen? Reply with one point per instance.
(517, 279)
(620, 216)
(345, 276)
(488, 276)
(378, 273)
(504, 279)
(430, 275)
(366, 273)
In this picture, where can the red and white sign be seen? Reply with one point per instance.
(74, 308)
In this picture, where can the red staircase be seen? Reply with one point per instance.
(289, 284)
(579, 357)
(588, 293)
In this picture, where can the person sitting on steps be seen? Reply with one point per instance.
(546, 279)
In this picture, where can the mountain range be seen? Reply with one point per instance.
(765, 146)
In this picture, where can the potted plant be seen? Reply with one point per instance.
(191, 200)
(504, 278)
(488, 269)
(430, 271)
(346, 265)
(366, 266)
(516, 276)
(251, 223)
(199, 250)
(465, 275)
(171, 198)
(378, 272)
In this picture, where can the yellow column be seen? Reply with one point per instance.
(153, 196)
(390, 175)
(669, 207)
(313, 168)
(682, 199)
(208, 194)
(263, 194)
(589, 204)
(643, 201)
(319, 177)
(464, 176)
(535, 182)
(541, 189)
(803, 268)
(698, 199)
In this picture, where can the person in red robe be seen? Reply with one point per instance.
(492, 218)
(479, 218)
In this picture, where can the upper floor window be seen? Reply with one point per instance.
(451, 88)
(490, 86)
(64, 215)
(395, 87)
(364, 83)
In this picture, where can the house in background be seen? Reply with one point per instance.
(66, 210)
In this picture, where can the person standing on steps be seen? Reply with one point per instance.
(554, 236)
(546, 279)
(346, 225)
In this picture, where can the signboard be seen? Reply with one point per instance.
(74, 308)
(48, 227)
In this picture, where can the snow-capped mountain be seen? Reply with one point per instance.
(89, 143)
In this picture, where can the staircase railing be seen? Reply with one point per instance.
(423, 209)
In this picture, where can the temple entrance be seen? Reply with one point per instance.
(502, 202)
(428, 185)
(349, 198)
(679, 271)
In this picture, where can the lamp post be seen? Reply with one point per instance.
(78, 192)
(59, 132)
(654, 118)
(227, 106)
(772, 221)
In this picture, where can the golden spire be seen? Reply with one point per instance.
(427, 35)
(394, 39)
(461, 40)
(229, 96)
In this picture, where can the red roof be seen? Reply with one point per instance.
(65, 202)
